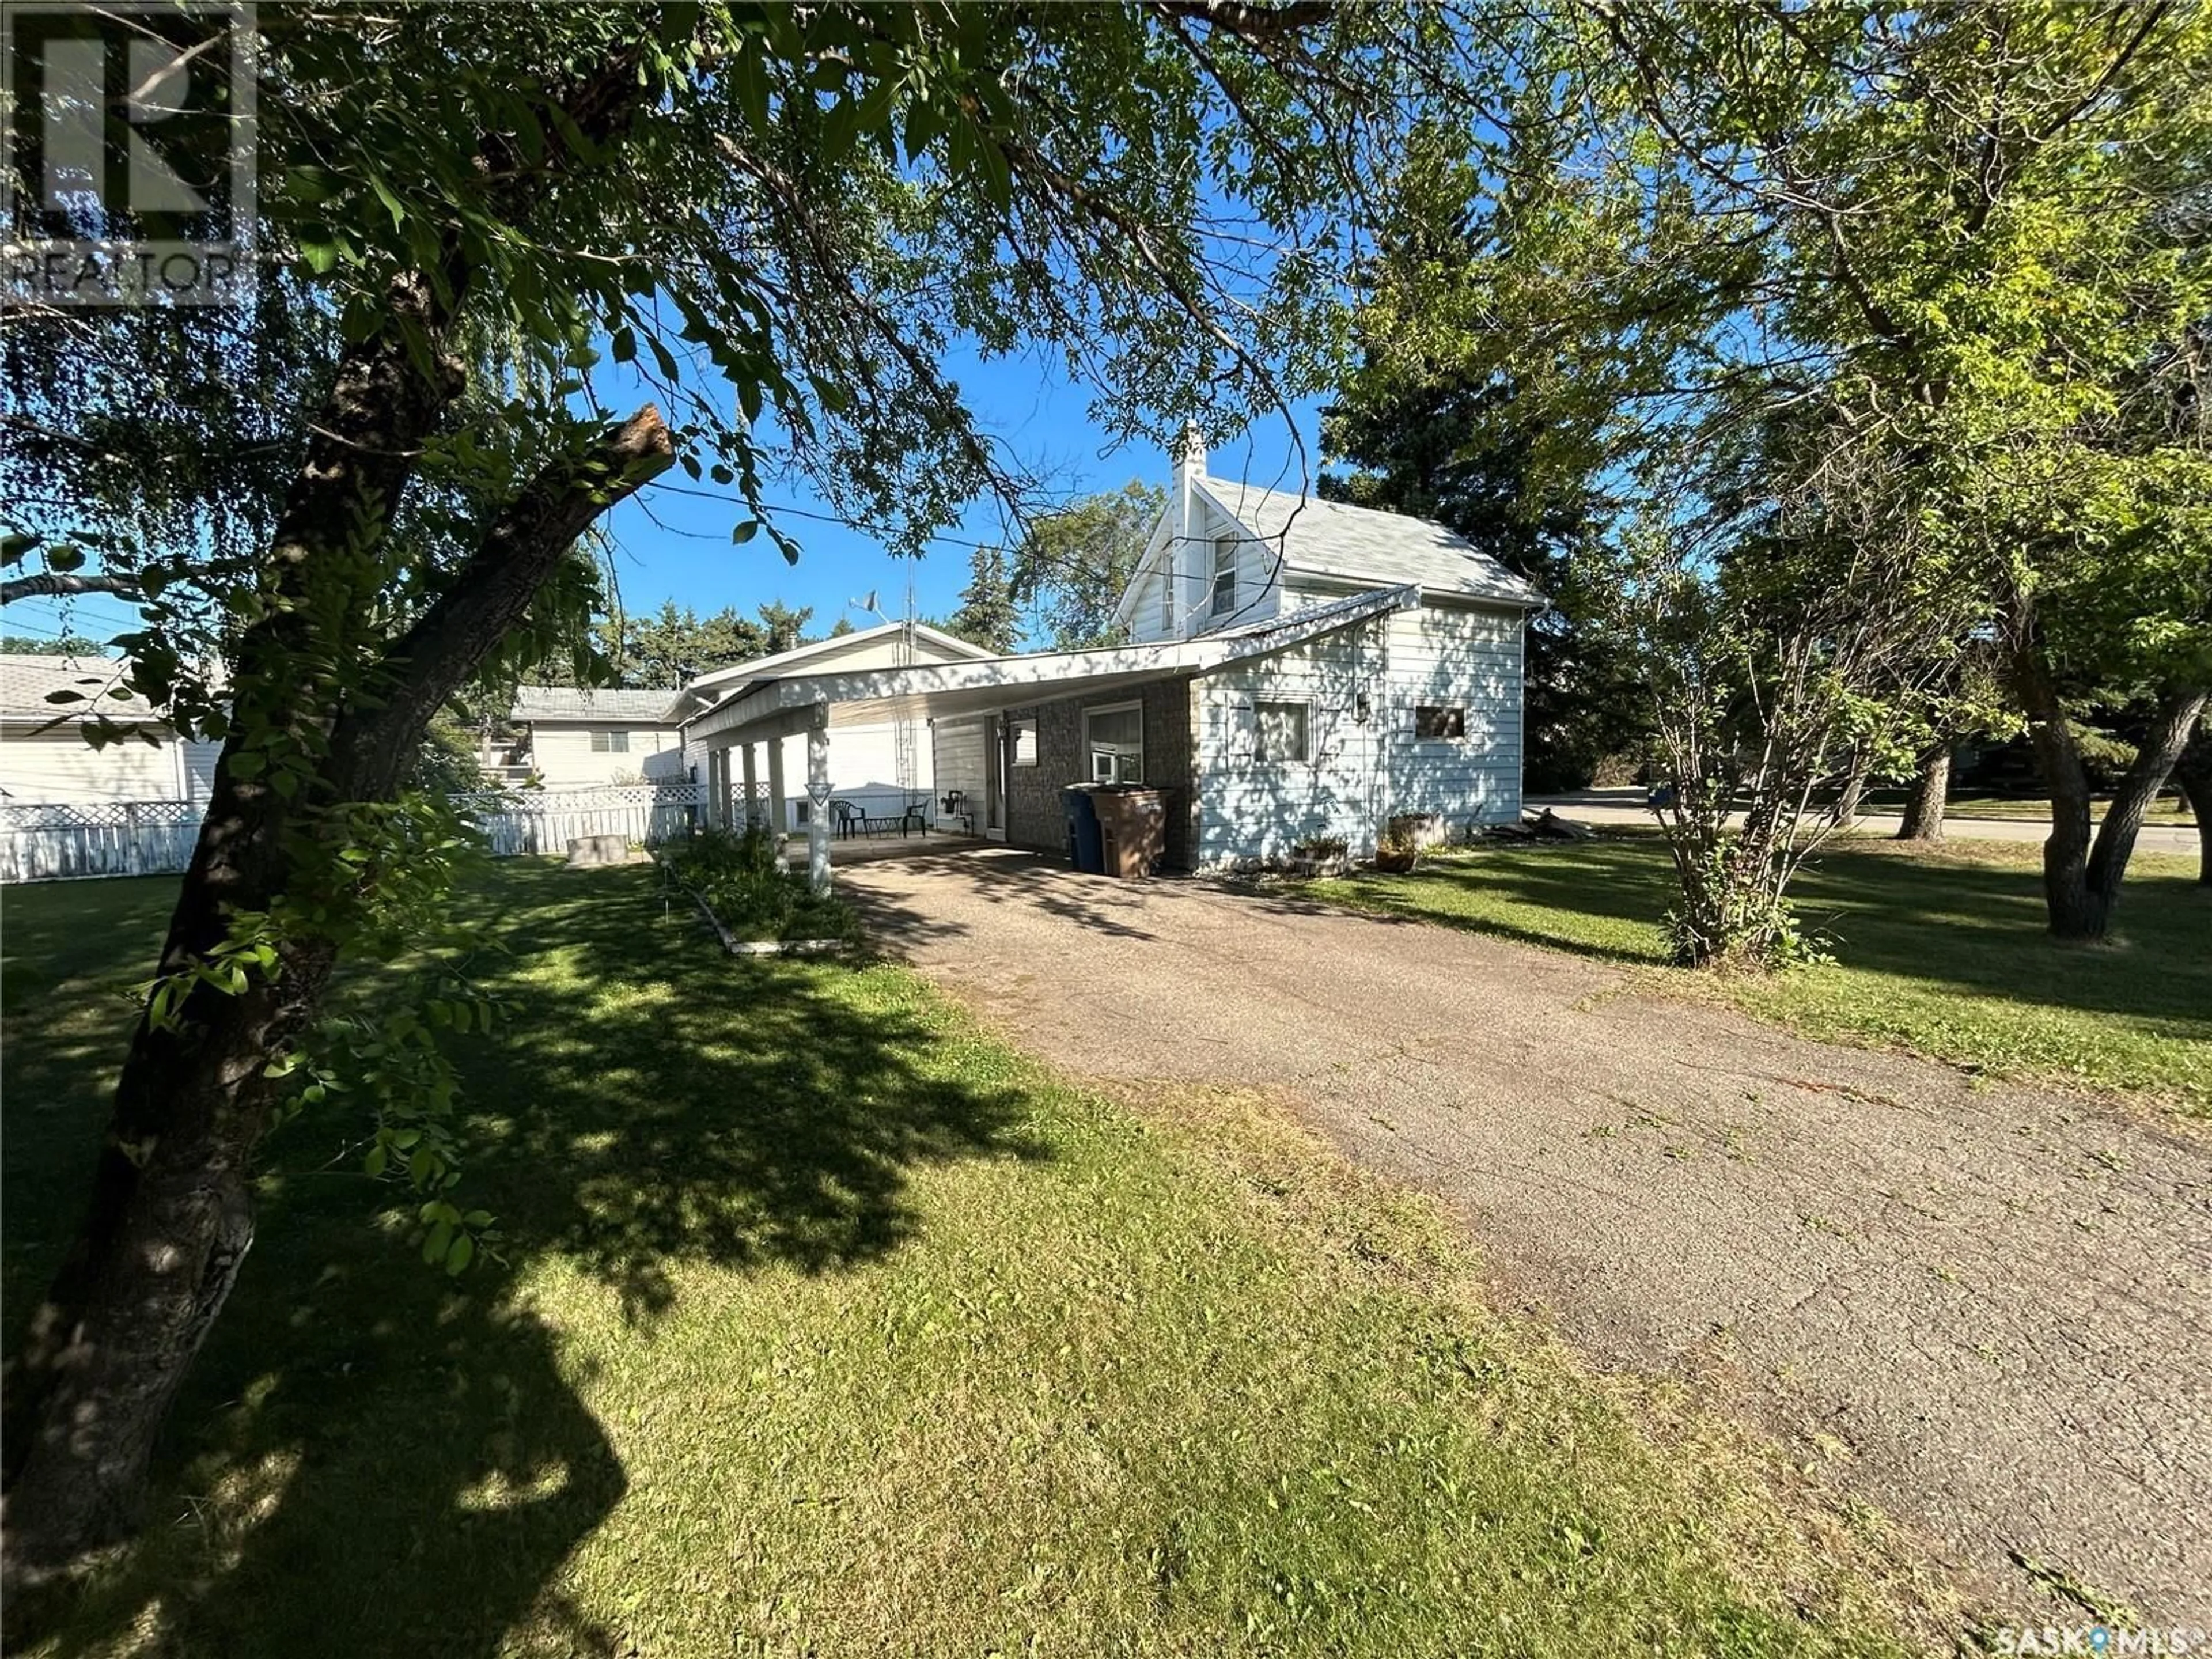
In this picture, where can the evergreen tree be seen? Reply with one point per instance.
(1444, 446)
(987, 615)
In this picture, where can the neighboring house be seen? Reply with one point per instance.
(882, 765)
(572, 739)
(45, 761)
(1298, 669)
(568, 739)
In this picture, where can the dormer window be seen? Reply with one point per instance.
(1224, 576)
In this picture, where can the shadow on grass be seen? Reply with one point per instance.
(1974, 925)
(373, 1458)
(1605, 898)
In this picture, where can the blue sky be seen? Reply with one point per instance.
(678, 547)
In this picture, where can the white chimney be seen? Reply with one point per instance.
(1182, 506)
(1189, 455)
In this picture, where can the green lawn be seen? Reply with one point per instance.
(1942, 952)
(830, 1325)
(2171, 809)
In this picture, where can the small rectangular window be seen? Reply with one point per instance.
(1439, 720)
(1021, 740)
(1167, 589)
(1115, 739)
(1224, 576)
(610, 742)
(1282, 731)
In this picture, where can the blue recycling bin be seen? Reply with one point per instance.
(1085, 850)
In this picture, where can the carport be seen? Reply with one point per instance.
(818, 704)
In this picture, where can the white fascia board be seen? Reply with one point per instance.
(1314, 576)
(1126, 604)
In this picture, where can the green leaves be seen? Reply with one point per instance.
(451, 1239)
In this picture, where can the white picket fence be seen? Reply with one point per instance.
(156, 837)
(546, 821)
(105, 838)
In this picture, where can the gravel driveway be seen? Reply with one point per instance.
(1991, 1306)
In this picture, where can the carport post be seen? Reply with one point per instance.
(745, 818)
(778, 809)
(817, 791)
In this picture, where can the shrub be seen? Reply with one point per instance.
(741, 876)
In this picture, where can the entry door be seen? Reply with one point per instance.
(994, 777)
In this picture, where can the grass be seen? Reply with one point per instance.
(1943, 953)
(830, 1325)
(2166, 809)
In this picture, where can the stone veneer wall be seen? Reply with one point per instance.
(1034, 818)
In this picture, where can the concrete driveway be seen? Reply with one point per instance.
(1991, 1307)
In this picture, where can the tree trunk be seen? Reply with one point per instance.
(1926, 801)
(1854, 790)
(2194, 773)
(2163, 746)
(2081, 874)
(172, 1215)
(2074, 911)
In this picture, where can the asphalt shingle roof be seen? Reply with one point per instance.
(25, 682)
(1362, 544)
(568, 702)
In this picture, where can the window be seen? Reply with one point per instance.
(610, 742)
(1021, 740)
(1282, 728)
(1167, 589)
(1224, 576)
(1115, 739)
(1439, 720)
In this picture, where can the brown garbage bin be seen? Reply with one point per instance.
(1132, 828)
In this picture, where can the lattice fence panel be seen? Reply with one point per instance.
(146, 838)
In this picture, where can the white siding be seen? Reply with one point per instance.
(863, 767)
(59, 767)
(563, 757)
(200, 757)
(961, 763)
(1252, 810)
(1190, 566)
(1157, 566)
(1360, 774)
(1455, 656)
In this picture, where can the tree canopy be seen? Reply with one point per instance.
(669, 647)
(1842, 304)
(1072, 568)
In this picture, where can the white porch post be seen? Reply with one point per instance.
(746, 807)
(720, 813)
(817, 791)
(713, 770)
(779, 808)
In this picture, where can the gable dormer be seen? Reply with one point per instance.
(1203, 569)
